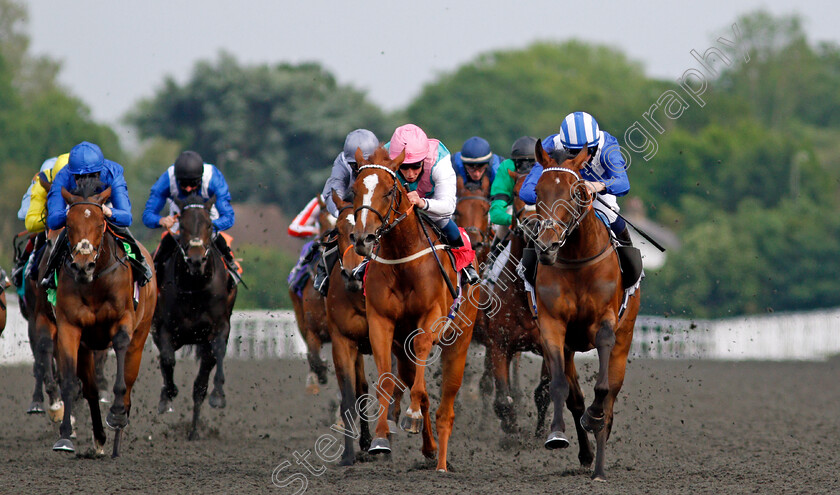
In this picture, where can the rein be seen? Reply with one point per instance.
(116, 260)
(397, 198)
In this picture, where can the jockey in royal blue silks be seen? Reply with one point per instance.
(476, 159)
(86, 161)
(604, 173)
(190, 175)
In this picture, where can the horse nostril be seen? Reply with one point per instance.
(352, 237)
(370, 239)
(90, 266)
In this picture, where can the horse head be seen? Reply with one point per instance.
(196, 228)
(348, 259)
(379, 199)
(85, 226)
(563, 199)
(472, 212)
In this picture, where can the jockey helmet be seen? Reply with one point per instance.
(412, 140)
(579, 130)
(360, 138)
(85, 158)
(189, 167)
(523, 153)
(476, 150)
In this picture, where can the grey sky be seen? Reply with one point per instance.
(116, 52)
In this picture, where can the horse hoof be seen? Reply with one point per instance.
(217, 401)
(116, 421)
(192, 436)
(98, 448)
(322, 377)
(392, 427)
(599, 477)
(312, 387)
(64, 445)
(411, 425)
(35, 408)
(380, 446)
(348, 461)
(164, 407)
(590, 423)
(556, 440)
(57, 411)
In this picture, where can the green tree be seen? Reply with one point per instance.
(273, 131)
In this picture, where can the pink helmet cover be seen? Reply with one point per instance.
(413, 140)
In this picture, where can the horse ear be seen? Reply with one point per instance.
(485, 184)
(102, 197)
(179, 203)
(396, 162)
(360, 157)
(68, 197)
(210, 202)
(459, 185)
(512, 174)
(581, 157)
(337, 199)
(542, 157)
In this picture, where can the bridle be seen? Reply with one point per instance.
(473, 229)
(582, 211)
(195, 241)
(396, 199)
(77, 248)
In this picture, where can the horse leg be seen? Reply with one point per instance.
(454, 357)
(542, 399)
(38, 369)
(417, 418)
(317, 369)
(381, 338)
(515, 384)
(553, 333)
(344, 360)
(132, 357)
(618, 366)
(362, 391)
(396, 405)
(503, 404)
(219, 346)
(117, 417)
(575, 403)
(593, 418)
(208, 360)
(163, 341)
(69, 338)
(485, 384)
(87, 373)
(100, 358)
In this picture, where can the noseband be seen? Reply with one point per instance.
(581, 213)
(396, 199)
(77, 249)
(194, 242)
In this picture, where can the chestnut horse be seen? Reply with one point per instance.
(311, 317)
(194, 306)
(579, 295)
(509, 327)
(94, 310)
(407, 302)
(472, 210)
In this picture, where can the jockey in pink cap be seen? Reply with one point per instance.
(428, 176)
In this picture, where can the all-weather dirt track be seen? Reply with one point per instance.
(681, 427)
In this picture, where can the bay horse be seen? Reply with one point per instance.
(407, 303)
(472, 209)
(4, 284)
(310, 314)
(194, 307)
(579, 295)
(510, 328)
(95, 309)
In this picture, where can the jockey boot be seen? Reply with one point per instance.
(139, 266)
(222, 247)
(470, 274)
(624, 237)
(320, 281)
(165, 249)
(496, 248)
(57, 254)
(359, 271)
(529, 262)
(329, 257)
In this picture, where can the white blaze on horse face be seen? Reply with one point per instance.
(87, 213)
(331, 220)
(371, 182)
(351, 220)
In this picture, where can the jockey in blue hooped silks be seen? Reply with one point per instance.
(604, 173)
(475, 160)
(86, 160)
(190, 175)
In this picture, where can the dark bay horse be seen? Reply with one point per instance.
(579, 295)
(348, 328)
(4, 284)
(311, 317)
(508, 327)
(472, 210)
(407, 302)
(95, 309)
(194, 307)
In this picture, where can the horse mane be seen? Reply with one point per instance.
(194, 199)
(87, 186)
